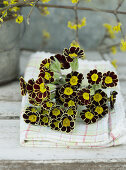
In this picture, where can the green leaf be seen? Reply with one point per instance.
(56, 75)
(74, 65)
(51, 87)
(55, 66)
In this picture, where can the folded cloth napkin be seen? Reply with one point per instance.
(108, 131)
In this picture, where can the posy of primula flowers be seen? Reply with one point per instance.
(55, 99)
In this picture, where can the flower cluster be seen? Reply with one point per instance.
(14, 11)
(74, 26)
(55, 97)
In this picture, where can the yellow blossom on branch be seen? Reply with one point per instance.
(117, 28)
(123, 45)
(114, 50)
(19, 19)
(114, 63)
(1, 20)
(110, 30)
(4, 13)
(74, 1)
(45, 11)
(6, 3)
(45, 34)
(45, 1)
(75, 26)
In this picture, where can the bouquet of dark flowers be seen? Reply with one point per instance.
(57, 99)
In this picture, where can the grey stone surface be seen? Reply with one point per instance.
(56, 24)
(9, 51)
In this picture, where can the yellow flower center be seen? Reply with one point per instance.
(33, 110)
(86, 96)
(56, 124)
(47, 65)
(71, 103)
(45, 119)
(45, 112)
(108, 80)
(68, 91)
(99, 110)
(66, 122)
(97, 97)
(47, 76)
(48, 104)
(42, 87)
(55, 112)
(32, 118)
(89, 115)
(73, 55)
(94, 77)
(73, 80)
(70, 112)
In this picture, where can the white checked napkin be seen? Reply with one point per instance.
(108, 131)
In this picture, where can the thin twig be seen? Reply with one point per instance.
(120, 2)
(23, 4)
(28, 17)
(76, 19)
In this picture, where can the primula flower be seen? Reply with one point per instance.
(57, 97)
(31, 116)
(48, 76)
(44, 111)
(47, 104)
(74, 79)
(41, 90)
(33, 101)
(45, 64)
(113, 99)
(94, 77)
(30, 88)
(67, 123)
(71, 111)
(56, 112)
(83, 97)
(72, 53)
(44, 120)
(54, 124)
(100, 97)
(101, 110)
(109, 79)
(89, 116)
(70, 102)
(66, 91)
(62, 60)
(23, 86)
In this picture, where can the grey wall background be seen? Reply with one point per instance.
(56, 25)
